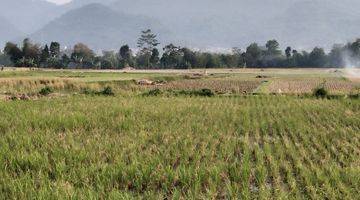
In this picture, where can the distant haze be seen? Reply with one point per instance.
(203, 24)
(59, 1)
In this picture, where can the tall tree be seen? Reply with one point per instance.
(4, 59)
(45, 54)
(172, 56)
(317, 57)
(211, 60)
(190, 58)
(253, 55)
(272, 54)
(109, 60)
(83, 55)
(13, 51)
(355, 48)
(31, 52)
(272, 47)
(125, 52)
(336, 56)
(288, 52)
(154, 59)
(238, 57)
(65, 60)
(125, 56)
(55, 49)
(147, 42)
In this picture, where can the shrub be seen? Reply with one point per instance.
(205, 92)
(355, 96)
(107, 91)
(88, 91)
(154, 92)
(320, 92)
(202, 92)
(46, 91)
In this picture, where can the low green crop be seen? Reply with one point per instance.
(244, 147)
(46, 91)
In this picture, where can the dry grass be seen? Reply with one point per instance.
(14, 85)
(307, 85)
(235, 81)
(217, 85)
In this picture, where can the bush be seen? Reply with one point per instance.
(88, 91)
(154, 92)
(46, 91)
(320, 92)
(202, 92)
(107, 91)
(205, 92)
(355, 96)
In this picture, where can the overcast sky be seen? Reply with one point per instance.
(59, 1)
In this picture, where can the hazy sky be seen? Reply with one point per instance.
(59, 1)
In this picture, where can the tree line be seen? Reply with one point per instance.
(148, 56)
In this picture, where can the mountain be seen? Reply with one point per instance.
(315, 23)
(301, 24)
(7, 31)
(208, 23)
(28, 15)
(98, 26)
(80, 3)
(227, 23)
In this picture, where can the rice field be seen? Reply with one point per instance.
(129, 146)
(307, 85)
(221, 86)
(239, 81)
